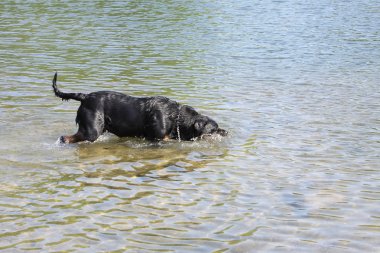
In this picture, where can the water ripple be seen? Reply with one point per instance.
(295, 84)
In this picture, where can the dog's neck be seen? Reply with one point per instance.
(185, 122)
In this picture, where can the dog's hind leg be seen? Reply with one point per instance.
(72, 138)
(91, 126)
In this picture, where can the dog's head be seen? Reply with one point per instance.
(205, 126)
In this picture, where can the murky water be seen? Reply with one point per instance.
(296, 83)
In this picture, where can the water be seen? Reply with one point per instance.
(294, 82)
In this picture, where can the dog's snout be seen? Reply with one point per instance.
(222, 132)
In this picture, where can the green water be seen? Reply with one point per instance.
(295, 84)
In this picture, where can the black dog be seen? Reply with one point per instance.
(154, 118)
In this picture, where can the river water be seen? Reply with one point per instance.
(296, 84)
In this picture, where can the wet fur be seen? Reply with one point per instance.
(153, 118)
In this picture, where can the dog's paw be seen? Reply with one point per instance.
(61, 140)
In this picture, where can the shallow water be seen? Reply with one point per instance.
(295, 84)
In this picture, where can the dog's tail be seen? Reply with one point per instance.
(66, 96)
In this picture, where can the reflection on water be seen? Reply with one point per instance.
(295, 84)
(139, 158)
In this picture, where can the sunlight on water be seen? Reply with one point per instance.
(294, 83)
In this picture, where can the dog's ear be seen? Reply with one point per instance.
(199, 125)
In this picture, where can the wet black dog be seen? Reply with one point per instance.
(154, 118)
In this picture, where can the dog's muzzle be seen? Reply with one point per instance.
(222, 132)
